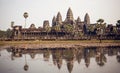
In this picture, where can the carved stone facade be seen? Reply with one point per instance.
(77, 24)
(39, 33)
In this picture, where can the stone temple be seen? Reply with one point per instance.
(70, 20)
(47, 32)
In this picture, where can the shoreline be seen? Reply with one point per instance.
(58, 44)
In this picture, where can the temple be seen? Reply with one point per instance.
(58, 30)
(68, 28)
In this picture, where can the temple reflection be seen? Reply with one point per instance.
(46, 55)
(69, 55)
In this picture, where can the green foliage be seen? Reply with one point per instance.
(115, 30)
(2, 34)
(57, 28)
(5, 34)
(68, 28)
(8, 33)
(80, 34)
(118, 24)
(103, 26)
(91, 28)
(100, 26)
(100, 21)
(118, 21)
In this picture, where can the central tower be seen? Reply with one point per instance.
(69, 15)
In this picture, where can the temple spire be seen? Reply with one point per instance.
(78, 19)
(54, 21)
(87, 19)
(59, 18)
(69, 15)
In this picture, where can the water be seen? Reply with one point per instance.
(60, 60)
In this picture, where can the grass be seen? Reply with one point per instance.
(58, 41)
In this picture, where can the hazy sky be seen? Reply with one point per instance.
(40, 10)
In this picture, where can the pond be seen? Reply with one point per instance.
(60, 60)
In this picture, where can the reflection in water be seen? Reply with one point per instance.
(69, 55)
(26, 65)
(100, 57)
(46, 55)
(0, 52)
(118, 56)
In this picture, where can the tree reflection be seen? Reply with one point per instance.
(0, 51)
(118, 56)
(26, 67)
(32, 55)
(16, 52)
(100, 57)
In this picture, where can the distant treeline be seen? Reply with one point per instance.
(5, 34)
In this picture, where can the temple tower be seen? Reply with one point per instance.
(32, 26)
(59, 18)
(87, 19)
(69, 15)
(78, 20)
(78, 23)
(46, 24)
(54, 21)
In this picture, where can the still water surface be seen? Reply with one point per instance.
(60, 60)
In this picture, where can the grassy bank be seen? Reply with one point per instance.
(57, 41)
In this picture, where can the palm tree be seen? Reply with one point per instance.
(100, 27)
(25, 16)
(26, 66)
(100, 21)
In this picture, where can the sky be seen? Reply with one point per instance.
(40, 10)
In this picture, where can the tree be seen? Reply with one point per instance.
(68, 28)
(91, 29)
(57, 29)
(118, 26)
(100, 21)
(25, 16)
(118, 22)
(100, 26)
(2, 34)
(9, 33)
(26, 67)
